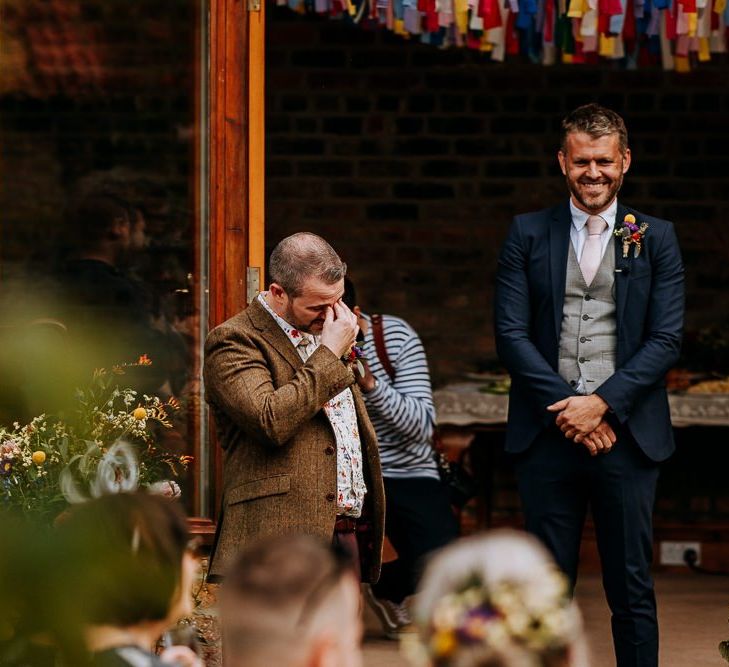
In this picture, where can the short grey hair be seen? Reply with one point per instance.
(597, 121)
(302, 256)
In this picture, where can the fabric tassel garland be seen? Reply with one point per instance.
(678, 34)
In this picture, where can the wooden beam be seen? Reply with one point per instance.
(236, 165)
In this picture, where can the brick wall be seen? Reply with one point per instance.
(412, 162)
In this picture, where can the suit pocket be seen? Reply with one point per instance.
(259, 488)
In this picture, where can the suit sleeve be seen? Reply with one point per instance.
(664, 328)
(238, 381)
(513, 323)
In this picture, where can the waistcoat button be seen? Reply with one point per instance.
(583, 339)
(329, 451)
(587, 297)
(582, 360)
(585, 317)
(330, 497)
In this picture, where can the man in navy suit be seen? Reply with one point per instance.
(588, 323)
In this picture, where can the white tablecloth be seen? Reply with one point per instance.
(462, 404)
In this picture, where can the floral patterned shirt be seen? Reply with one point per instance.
(342, 416)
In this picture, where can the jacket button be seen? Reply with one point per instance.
(329, 451)
(585, 317)
(583, 339)
(587, 297)
(330, 497)
(582, 360)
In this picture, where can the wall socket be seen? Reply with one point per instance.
(672, 553)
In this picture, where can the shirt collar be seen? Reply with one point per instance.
(579, 217)
(292, 333)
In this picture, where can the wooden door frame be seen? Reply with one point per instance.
(236, 166)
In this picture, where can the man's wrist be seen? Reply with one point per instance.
(601, 403)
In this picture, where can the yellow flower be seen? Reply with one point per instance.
(629, 218)
(443, 643)
(139, 414)
(144, 360)
(39, 457)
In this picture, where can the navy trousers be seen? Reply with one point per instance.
(418, 520)
(558, 480)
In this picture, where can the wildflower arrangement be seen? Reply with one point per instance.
(39, 459)
(538, 617)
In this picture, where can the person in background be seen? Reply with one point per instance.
(399, 399)
(125, 577)
(291, 601)
(497, 600)
(107, 312)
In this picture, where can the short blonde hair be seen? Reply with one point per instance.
(597, 121)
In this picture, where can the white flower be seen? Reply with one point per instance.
(9, 450)
(448, 612)
(168, 488)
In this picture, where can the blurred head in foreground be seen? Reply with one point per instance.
(496, 600)
(291, 601)
(126, 566)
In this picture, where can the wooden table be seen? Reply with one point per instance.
(480, 418)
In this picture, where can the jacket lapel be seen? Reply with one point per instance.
(273, 333)
(622, 269)
(559, 240)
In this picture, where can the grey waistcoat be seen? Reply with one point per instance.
(588, 340)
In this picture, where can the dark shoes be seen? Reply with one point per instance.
(393, 616)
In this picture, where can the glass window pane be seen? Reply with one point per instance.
(102, 231)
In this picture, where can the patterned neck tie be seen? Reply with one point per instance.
(306, 346)
(592, 250)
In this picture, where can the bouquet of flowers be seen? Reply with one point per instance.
(107, 440)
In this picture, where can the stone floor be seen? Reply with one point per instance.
(693, 613)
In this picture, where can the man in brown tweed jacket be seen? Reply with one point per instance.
(300, 453)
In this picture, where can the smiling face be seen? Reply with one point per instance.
(307, 311)
(594, 169)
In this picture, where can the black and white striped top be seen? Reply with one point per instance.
(402, 411)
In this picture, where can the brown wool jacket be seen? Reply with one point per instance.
(279, 461)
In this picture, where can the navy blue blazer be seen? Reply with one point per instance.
(649, 296)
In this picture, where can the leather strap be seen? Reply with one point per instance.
(378, 332)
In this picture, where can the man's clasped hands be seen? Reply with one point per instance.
(582, 419)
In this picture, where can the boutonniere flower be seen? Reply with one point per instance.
(632, 234)
(353, 359)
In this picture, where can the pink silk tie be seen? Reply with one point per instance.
(592, 250)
